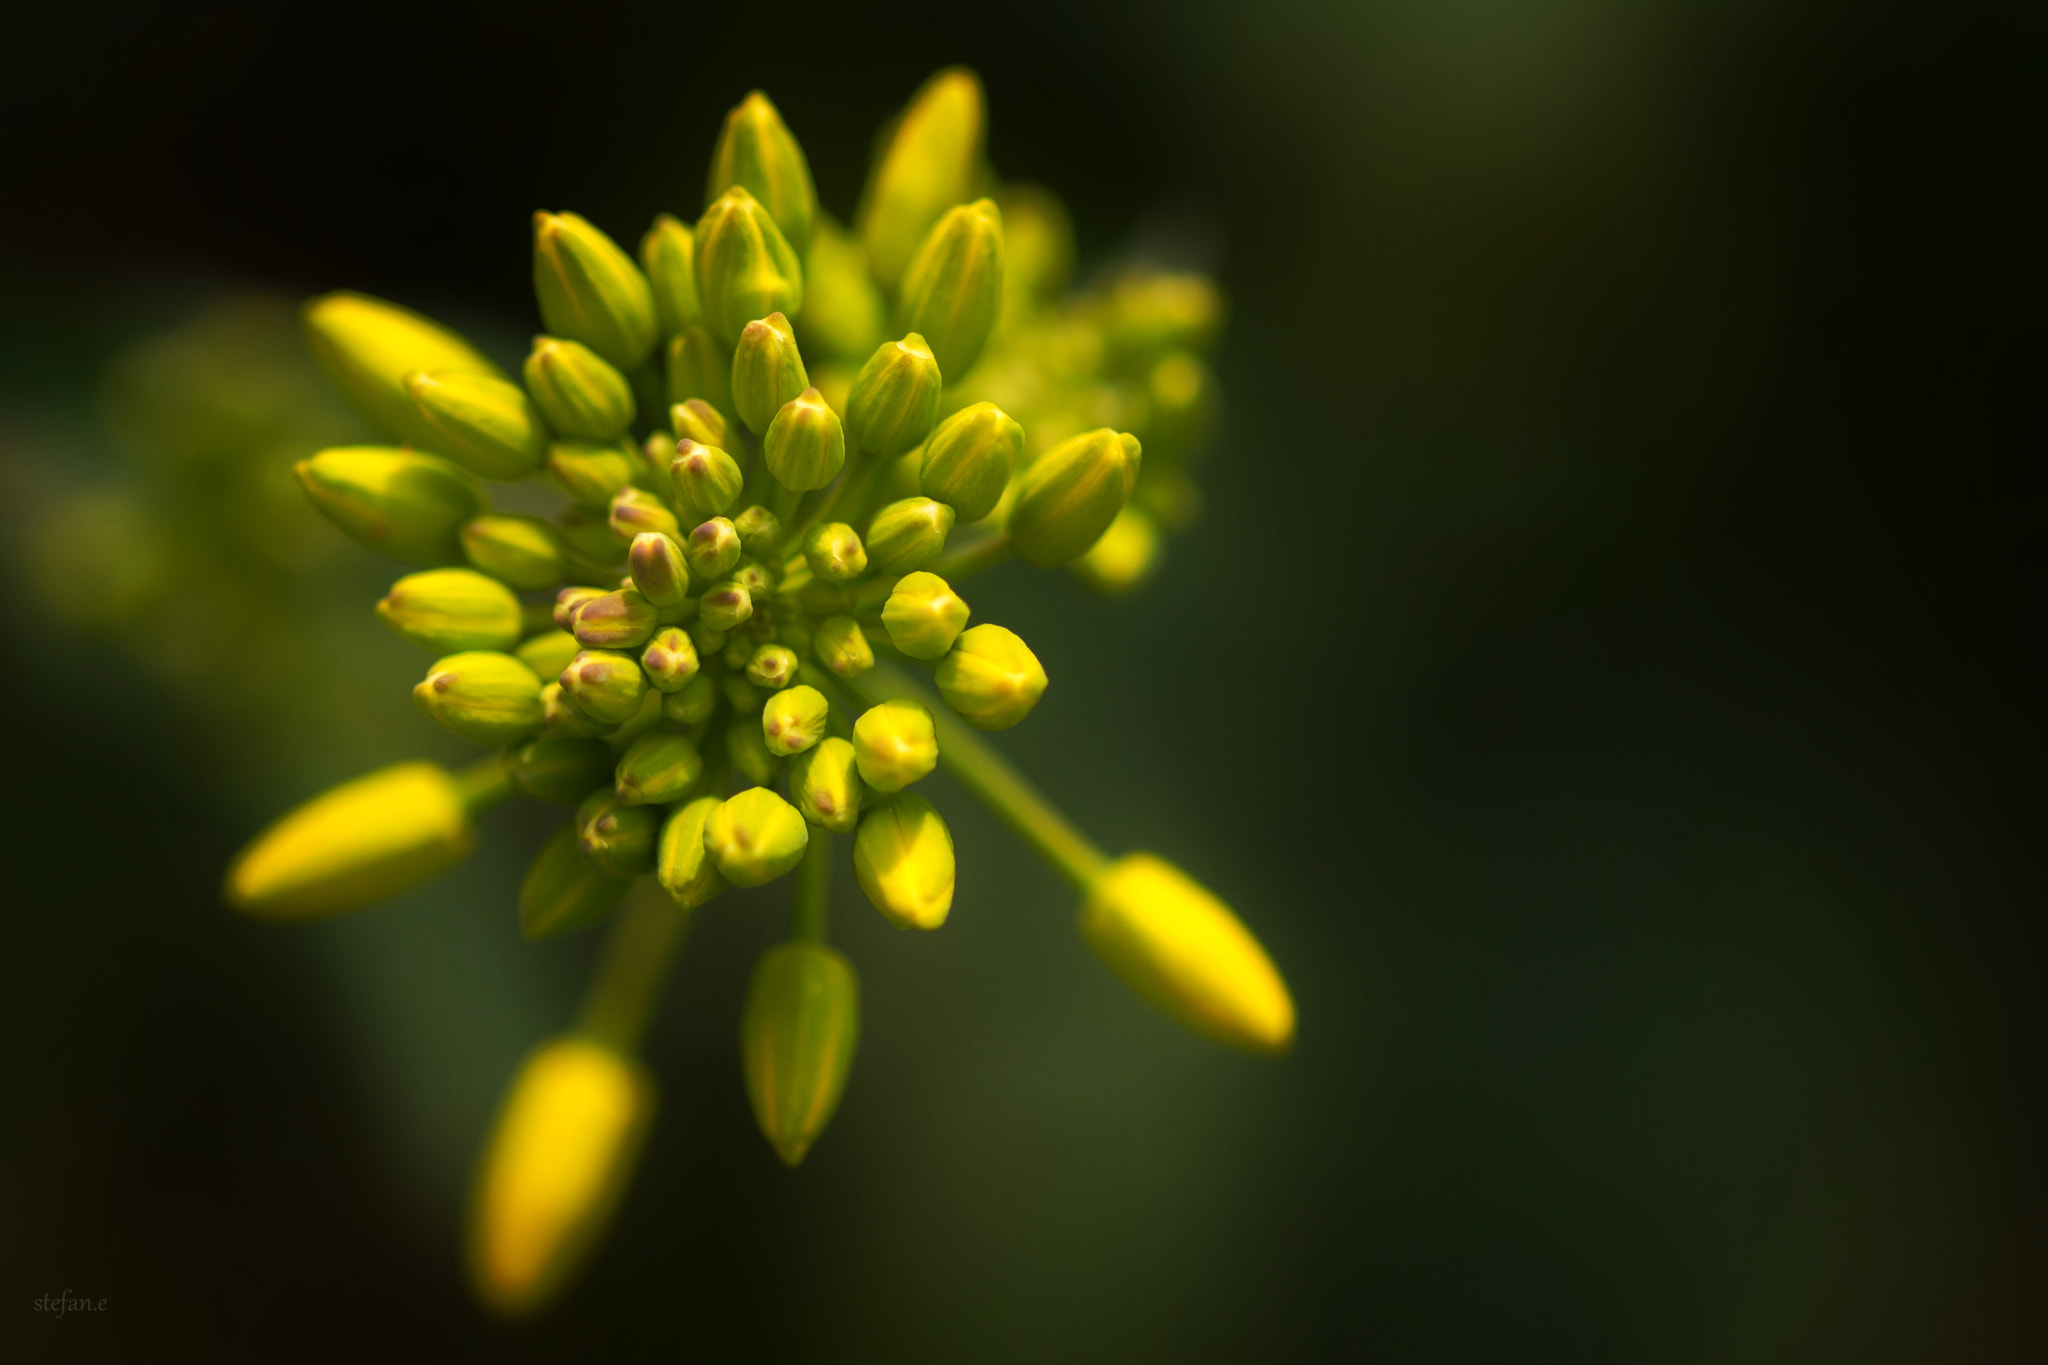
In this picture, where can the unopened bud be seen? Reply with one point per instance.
(559, 769)
(756, 150)
(923, 615)
(520, 552)
(569, 601)
(682, 864)
(896, 744)
(658, 570)
(794, 719)
(760, 532)
(561, 1155)
(1182, 949)
(697, 420)
(834, 552)
(368, 348)
(590, 291)
(359, 842)
(583, 397)
(548, 653)
(565, 892)
(806, 444)
(903, 856)
(692, 703)
(706, 481)
(713, 548)
(657, 769)
(767, 371)
(746, 268)
(991, 679)
(772, 666)
(843, 316)
(615, 620)
(841, 647)
(486, 698)
(616, 836)
(953, 290)
(968, 460)
(755, 837)
(894, 403)
(930, 165)
(560, 715)
(907, 535)
(666, 255)
(1071, 494)
(725, 604)
(635, 511)
(825, 780)
(589, 473)
(606, 685)
(669, 660)
(399, 503)
(449, 610)
(797, 1038)
(485, 424)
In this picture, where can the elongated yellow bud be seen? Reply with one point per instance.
(482, 696)
(560, 1155)
(757, 150)
(903, 856)
(929, 166)
(565, 892)
(1071, 494)
(590, 291)
(353, 844)
(682, 864)
(953, 290)
(825, 780)
(488, 426)
(666, 255)
(1182, 949)
(368, 347)
(797, 1037)
(746, 268)
(755, 837)
(449, 610)
(397, 502)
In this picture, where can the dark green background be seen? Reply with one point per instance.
(1608, 678)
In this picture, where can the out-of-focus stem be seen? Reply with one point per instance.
(813, 891)
(634, 966)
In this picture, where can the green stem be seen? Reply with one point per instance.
(813, 892)
(483, 784)
(633, 968)
(986, 773)
(985, 553)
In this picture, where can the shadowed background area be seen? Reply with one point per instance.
(1608, 678)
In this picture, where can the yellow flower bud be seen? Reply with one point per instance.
(487, 425)
(583, 397)
(755, 837)
(797, 1038)
(368, 347)
(590, 291)
(903, 856)
(991, 679)
(1071, 494)
(682, 864)
(930, 165)
(767, 371)
(1182, 949)
(793, 720)
(397, 502)
(666, 256)
(923, 615)
(825, 780)
(896, 744)
(484, 697)
(559, 1157)
(746, 268)
(447, 610)
(839, 644)
(953, 289)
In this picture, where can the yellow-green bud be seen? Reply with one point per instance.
(355, 843)
(760, 532)
(657, 769)
(772, 666)
(449, 610)
(589, 473)
(581, 395)
(521, 552)
(682, 864)
(767, 371)
(548, 653)
(590, 551)
(485, 424)
(697, 420)
(706, 481)
(834, 552)
(562, 716)
(797, 1038)
(670, 659)
(843, 314)
(839, 644)
(559, 769)
(691, 703)
(895, 744)
(746, 268)
(590, 291)
(825, 780)
(616, 836)
(666, 254)
(930, 165)
(903, 856)
(564, 891)
(486, 698)
(699, 369)
(1182, 949)
(806, 444)
(399, 503)
(894, 403)
(953, 290)
(658, 570)
(560, 1156)
(968, 460)
(713, 548)
(635, 511)
(907, 535)
(1125, 556)
(756, 150)
(794, 719)
(1151, 313)
(605, 685)
(923, 615)
(745, 745)
(614, 620)
(755, 837)
(369, 346)
(991, 679)
(1070, 495)
(725, 604)
(569, 601)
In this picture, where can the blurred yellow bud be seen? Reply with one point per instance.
(797, 1037)
(930, 164)
(368, 347)
(903, 856)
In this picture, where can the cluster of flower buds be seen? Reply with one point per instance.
(779, 445)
